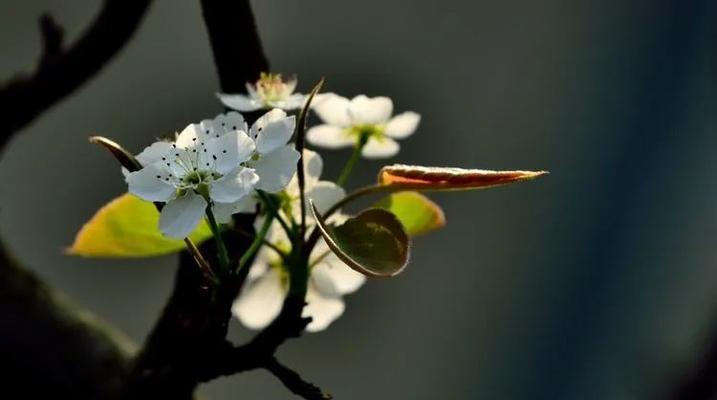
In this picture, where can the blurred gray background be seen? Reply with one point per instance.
(597, 282)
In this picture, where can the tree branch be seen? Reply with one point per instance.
(238, 54)
(294, 382)
(55, 349)
(52, 348)
(698, 381)
(59, 71)
(188, 345)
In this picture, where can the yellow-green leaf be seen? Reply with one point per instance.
(373, 243)
(417, 213)
(127, 227)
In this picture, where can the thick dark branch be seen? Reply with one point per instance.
(188, 343)
(700, 381)
(51, 348)
(60, 71)
(235, 41)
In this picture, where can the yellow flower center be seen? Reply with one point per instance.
(271, 87)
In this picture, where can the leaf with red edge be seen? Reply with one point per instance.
(415, 177)
(373, 243)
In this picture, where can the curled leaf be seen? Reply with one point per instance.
(127, 228)
(373, 243)
(123, 156)
(417, 177)
(418, 214)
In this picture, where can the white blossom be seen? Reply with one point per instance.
(206, 165)
(261, 299)
(346, 121)
(270, 91)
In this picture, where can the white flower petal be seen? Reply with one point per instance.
(313, 166)
(154, 152)
(325, 194)
(150, 183)
(246, 204)
(402, 125)
(332, 109)
(332, 277)
(221, 124)
(231, 121)
(180, 216)
(260, 301)
(370, 110)
(260, 266)
(275, 135)
(223, 212)
(251, 90)
(272, 115)
(322, 310)
(291, 103)
(272, 130)
(239, 102)
(330, 137)
(276, 169)
(189, 136)
(380, 148)
(229, 150)
(290, 85)
(234, 185)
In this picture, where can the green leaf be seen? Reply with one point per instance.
(127, 227)
(417, 213)
(373, 243)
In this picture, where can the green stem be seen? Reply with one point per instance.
(265, 242)
(273, 209)
(256, 244)
(222, 253)
(351, 163)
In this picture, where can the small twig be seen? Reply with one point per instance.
(60, 72)
(52, 36)
(300, 138)
(294, 382)
(199, 258)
